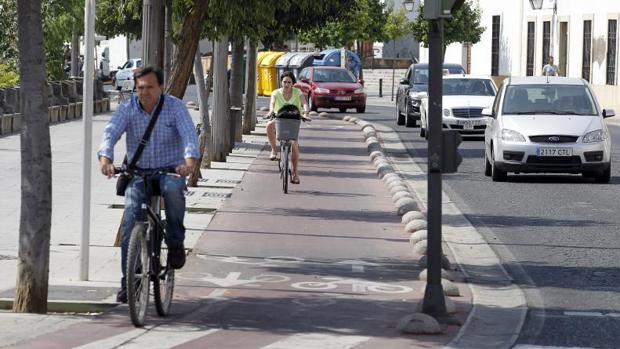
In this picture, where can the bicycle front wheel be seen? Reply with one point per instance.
(285, 170)
(138, 262)
(163, 283)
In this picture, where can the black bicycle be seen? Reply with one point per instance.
(147, 260)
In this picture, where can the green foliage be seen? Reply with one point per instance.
(396, 25)
(8, 39)
(8, 77)
(464, 26)
(60, 18)
(364, 20)
(116, 17)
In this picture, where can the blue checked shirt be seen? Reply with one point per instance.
(173, 139)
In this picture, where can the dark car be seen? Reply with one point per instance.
(408, 97)
(331, 87)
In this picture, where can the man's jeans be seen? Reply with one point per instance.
(172, 189)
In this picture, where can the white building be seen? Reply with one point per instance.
(580, 35)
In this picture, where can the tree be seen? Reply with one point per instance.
(364, 21)
(36, 164)
(464, 26)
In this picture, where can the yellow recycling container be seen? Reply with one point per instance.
(269, 78)
(259, 58)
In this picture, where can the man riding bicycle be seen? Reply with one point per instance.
(173, 143)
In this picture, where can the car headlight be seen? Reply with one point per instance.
(512, 136)
(594, 136)
(447, 112)
(321, 90)
(359, 90)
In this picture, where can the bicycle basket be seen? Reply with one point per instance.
(287, 128)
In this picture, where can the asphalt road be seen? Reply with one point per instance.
(557, 236)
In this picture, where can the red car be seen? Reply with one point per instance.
(331, 87)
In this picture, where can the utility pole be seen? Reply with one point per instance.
(442, 155)
(153, 33)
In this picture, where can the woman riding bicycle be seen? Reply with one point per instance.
(285, 95)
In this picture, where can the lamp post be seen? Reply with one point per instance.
(548, 4)
(408, 5)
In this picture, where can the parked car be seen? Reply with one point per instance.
(332, 87)
(464, 97)
(411, 89)
(125, 72)
(547, 124)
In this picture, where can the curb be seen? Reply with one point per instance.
(67, 306)
(499, 307)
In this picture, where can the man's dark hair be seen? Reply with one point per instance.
(289, 74)
(140, 72)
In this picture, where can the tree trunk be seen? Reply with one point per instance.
(249, 113)
(205, 125)
(186, 48)
(168, 41)
(360, 54)
(75, 52)
(206, 160)
(236, 90)
(36, 165)
(221, 121)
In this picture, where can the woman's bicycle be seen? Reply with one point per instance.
(288, 121)
(145, 261)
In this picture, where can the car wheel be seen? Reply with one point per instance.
(603, 176)
(409, 120)
(312, 105)
(343, 110)
(487, 165)
(422, 131)
(400, 118)
(361, 109)
(496, 174)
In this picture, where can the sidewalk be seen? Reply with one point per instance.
(253, 250)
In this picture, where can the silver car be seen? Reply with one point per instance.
(547, 124)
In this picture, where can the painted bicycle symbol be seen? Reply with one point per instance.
(357, 285)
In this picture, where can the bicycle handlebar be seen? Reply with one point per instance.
(139, 172)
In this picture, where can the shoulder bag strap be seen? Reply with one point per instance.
(147, 135)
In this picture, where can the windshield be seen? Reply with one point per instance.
(420, 75)
(468, 87)
(333, 75)
(548, 99)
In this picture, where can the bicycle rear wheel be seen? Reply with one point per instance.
(138, 264)
(163, 282)
(285, 170)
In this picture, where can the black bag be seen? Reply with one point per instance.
(123, 180)
(289, 111)
(125, 177)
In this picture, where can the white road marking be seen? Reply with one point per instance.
(317, 341)
(528, 346)
(358, 268)
(160, 337)
(219, 293)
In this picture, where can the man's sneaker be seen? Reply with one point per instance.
(121, 296)
(176, 257)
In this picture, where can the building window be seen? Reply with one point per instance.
(546, 42)
(529, 69)
(587, 50)
(495, 47)
(612, 30)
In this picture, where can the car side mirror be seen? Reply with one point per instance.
(404, 81)
(305, 81)
(488, 112)
(607, 113)
(361, 82)
(119, 67)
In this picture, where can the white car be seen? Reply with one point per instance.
(125, 72)
(547, 124)
(464, 98)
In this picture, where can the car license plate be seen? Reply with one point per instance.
(468, 124)
(554, 151)
(342, 98)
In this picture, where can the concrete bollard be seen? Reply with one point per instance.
(444, 275)
(405, 205)
(400, 195)
(419, 323)
(411, 215)
(17, 122)
(445, 262)
(418, 236)
(421, 247)
(415, 225)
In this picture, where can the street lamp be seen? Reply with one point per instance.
(408, 5)
(536, 4)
